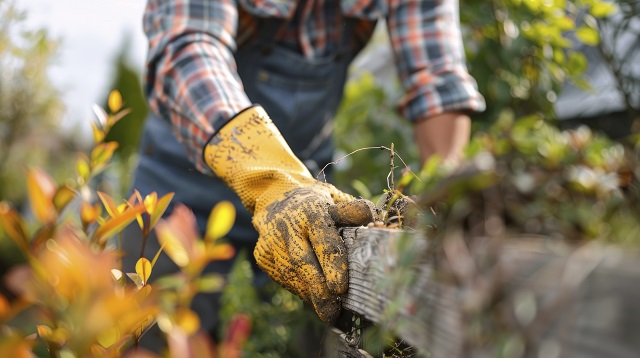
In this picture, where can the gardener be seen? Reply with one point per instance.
(244, 95)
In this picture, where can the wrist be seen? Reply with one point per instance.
(445, 134)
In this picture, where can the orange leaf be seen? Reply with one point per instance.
(136, 195)
(173, 247)
(122, 207)
(108, 203)
(117, 224)
(41, 190)
(12, 224)
(5, 307)
(187, 320)
(179, 234)
(88, 213)
(131, 201)
(144, 292)
(143, 269)
(159, 208)
(42, 236)
(220, 252)
(44, 331)
(98, 351)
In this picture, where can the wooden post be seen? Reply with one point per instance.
(522, 296)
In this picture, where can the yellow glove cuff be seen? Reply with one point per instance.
(250, 155)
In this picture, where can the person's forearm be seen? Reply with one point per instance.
(445, 134)
(191, 77)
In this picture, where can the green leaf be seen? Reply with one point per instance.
(577, 63)
(564, 23)
(588, 35)
(603, 9)
(63, 196)
(210, 283)
(431, 166)
(82, 166)
(102, 153)
(361, 188)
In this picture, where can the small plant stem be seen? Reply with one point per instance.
(145, 235)
(360, 149)
(120, 248)
(392, 185)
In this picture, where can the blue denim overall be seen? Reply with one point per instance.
(300, 95)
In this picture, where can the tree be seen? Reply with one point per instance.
(29, 105)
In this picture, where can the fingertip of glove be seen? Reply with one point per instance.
(354, 213)
(327, 309)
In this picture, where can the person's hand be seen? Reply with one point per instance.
(299, 246)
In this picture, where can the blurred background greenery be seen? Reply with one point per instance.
(523, 54)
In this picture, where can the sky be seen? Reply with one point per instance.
(92, 32)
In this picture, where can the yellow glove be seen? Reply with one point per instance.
(299, 246)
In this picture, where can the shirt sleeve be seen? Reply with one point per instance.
(191, 76)
(427, 44)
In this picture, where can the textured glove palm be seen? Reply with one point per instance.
(299, 246)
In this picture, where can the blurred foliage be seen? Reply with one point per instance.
(620, 49)
(71, 299)
(127, 81)
(528, 177)
(520, 53)
(29, 106)
(280, 324)
(30, 109)
(569, 184)
(367, 118)
(522, 180)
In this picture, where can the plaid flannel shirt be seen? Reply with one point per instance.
(191, 74)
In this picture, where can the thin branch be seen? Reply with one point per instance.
(324, 177)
